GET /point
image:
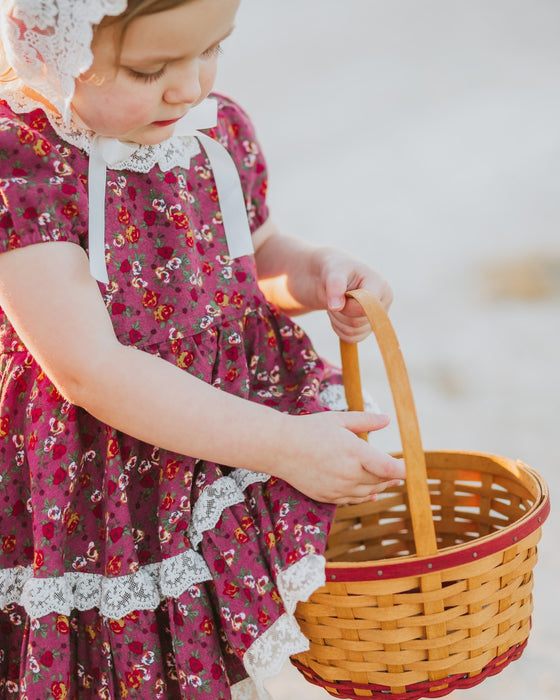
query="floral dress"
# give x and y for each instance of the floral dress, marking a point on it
(129, 571)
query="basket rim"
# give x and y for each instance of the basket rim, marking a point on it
(457, 555)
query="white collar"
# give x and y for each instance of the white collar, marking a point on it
(178, 150)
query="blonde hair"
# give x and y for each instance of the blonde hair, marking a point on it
(139, 8)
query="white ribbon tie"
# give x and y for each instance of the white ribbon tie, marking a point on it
(109, 152)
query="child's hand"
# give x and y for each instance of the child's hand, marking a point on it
(325, 460)
(341, 272)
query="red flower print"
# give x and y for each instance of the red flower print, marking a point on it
(134, 336)
(59, 690)
(9, 543)
(117, 626)
(68, 189)
(149, 217)
(30, 213)
(134, 678)
(124, 216)
(4, 426)
(221, 298)
(125, 267)
(47, 659)
(185, 359)
(70, 210)
(178, 619)
(25, 136)
(38, 560)
(72, 523)
(62, 625)
(150, 299)
(180, 219)
(165, 252)
(163, 312)
(207, 626)
(132, 234)
(114, 566)
(112, 448)
(264, 617)
(240, 536)
(136, 647)
(36, 413)
(312, 518)
(38, 122)
(231, 589)
(170, 177)
(219, 566)
(116, 533)
(195, 664)
(216, 672)
(59, 451)
(231, 374)
(117, 308)
(48, 530)
(232, 353)
(18, 508)
(14, 241)
(41, 147)
(167, 502)
(171, 469)
(240, 276)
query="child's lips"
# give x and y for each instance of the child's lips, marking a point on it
(168, 122)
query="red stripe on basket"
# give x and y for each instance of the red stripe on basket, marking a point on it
(428, 689)
(416, 566)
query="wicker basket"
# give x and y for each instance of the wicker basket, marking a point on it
(428, 588)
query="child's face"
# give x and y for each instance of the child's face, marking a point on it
(166, 66)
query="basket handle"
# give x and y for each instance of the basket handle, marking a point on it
(416, 474)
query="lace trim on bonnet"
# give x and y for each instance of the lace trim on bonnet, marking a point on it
(45, 43)
(36, 43)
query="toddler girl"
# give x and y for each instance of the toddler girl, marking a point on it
(169, 468)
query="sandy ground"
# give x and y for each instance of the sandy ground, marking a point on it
(423, 135)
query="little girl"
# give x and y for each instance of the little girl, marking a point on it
(169, 469)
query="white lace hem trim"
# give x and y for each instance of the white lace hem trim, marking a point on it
(267, 655)
(216, 497)
(115, 597)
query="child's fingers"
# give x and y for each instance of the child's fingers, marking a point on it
(383, 466)
(363, 421)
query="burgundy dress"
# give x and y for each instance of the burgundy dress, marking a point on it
(128, 571)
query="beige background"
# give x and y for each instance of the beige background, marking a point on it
(424, 136)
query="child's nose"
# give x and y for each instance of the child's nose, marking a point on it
(184, 86)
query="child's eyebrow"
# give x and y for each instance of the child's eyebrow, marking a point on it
(164, 58)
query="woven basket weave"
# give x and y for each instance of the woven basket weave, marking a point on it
(428, 588)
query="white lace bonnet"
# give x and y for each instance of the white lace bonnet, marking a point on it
(46, 44)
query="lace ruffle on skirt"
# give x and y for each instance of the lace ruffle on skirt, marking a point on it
(116, 597)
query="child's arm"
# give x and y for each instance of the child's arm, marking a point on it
(57, 309)
(300, 277)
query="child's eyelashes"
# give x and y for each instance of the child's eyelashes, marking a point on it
(147, 77)
(212, 52)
